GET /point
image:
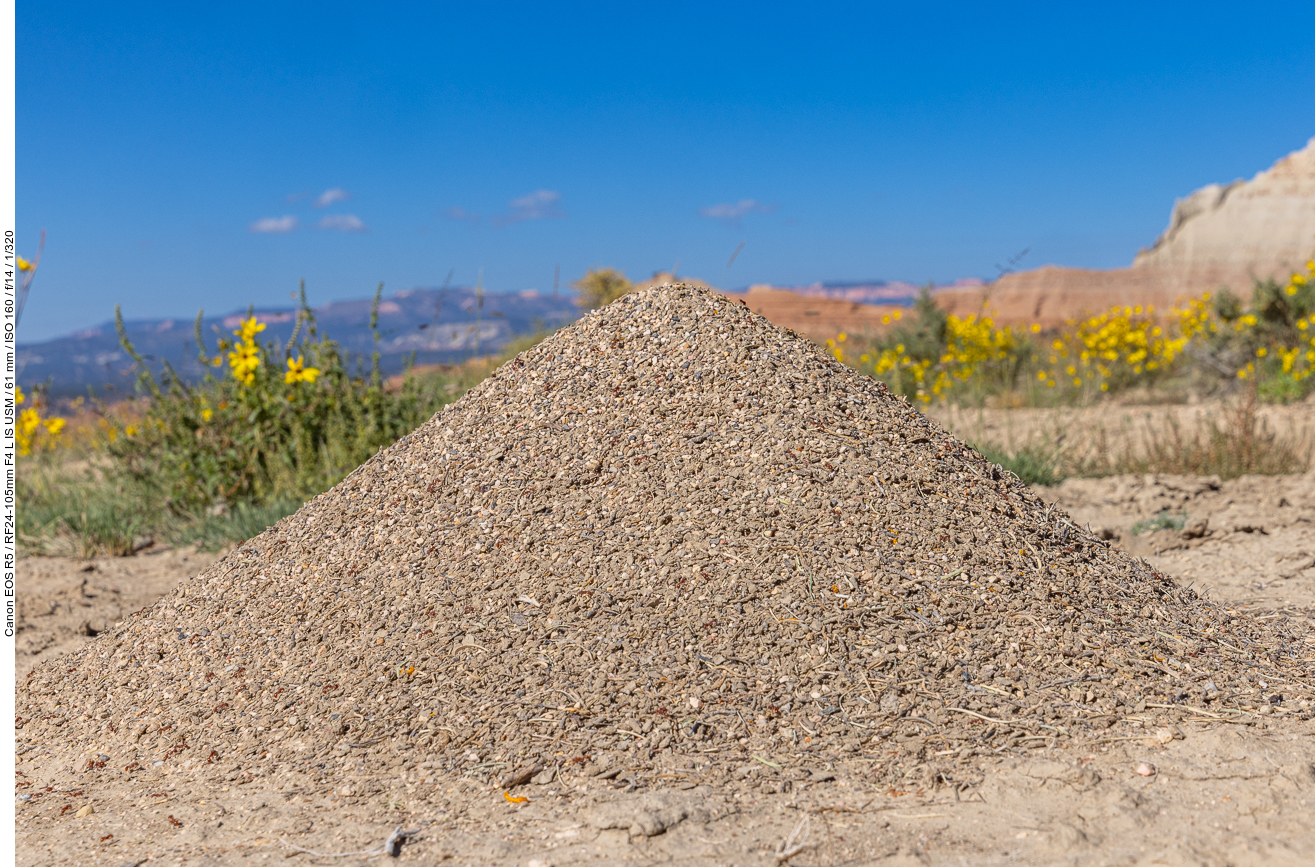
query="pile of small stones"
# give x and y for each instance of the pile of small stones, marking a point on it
(671, 529)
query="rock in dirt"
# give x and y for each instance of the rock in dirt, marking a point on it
(651, 814)
(669, 529)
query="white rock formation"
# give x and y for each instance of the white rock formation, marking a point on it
(1261, 228)
(1222, 235)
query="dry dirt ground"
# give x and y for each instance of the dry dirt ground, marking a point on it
(1085, 435)
(1205, 793)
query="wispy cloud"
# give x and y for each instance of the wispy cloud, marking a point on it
(455, 213)
(274, 225)
(538, 205)
(734, 213)
(343, 223)
(328, 197)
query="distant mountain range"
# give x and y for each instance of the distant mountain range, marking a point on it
(434, 326)
(880, 292)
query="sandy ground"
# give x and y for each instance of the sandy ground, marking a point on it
(1249, 542)
(1208, 792)
(63, 602)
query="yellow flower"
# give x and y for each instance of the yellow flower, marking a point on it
(299, 372)
(250, 328)
(23, 264)
(28, 422)
(206, 414)
(245, 357)
(18, 395)
(54, 425)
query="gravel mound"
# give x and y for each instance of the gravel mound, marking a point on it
(670, 530)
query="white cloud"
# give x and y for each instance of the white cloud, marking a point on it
(538, 205)
(343, 223)
(455, 213)
(274, 225)
(328, 197)
(734, 213)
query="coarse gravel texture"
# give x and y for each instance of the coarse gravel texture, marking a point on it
(670, 529)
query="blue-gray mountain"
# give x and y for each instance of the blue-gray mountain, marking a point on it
(433, 326)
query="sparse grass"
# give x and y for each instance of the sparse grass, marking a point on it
(71, 508)
(243, 521)
(1236, 443)
(1163, 520)
(1227, 439)
(1034, 463)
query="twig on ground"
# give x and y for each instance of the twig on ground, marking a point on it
(790, 848)
(392, 846)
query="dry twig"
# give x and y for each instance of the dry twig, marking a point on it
(392, 846)
(790, 848)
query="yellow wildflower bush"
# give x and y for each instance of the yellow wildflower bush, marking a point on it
(35, 431)
(268, 420)
(1123, 347)
(1207, 341)
(966, 355)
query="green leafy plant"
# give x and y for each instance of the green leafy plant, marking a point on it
(269, 421)
(1034, 464)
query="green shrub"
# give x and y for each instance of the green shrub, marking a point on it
(1034, 464)
(218, 461)
(271, 421)
(601, 286)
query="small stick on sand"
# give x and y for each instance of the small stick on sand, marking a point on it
(790, 848)
(392, 846)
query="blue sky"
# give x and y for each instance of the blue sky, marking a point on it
(210, 155)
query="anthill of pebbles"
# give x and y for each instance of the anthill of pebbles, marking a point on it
(670, 530)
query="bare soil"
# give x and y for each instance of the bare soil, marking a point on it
(1248, 542)
(63, 602)
(675, 586)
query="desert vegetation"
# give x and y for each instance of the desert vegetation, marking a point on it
(1210, 346)
(601, 286)
(1213, 348)
(219, 460)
